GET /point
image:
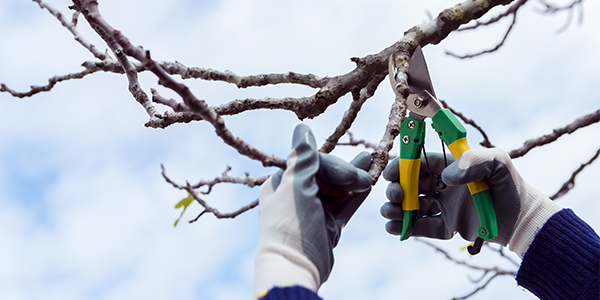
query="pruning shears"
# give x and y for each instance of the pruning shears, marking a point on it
(422, 103)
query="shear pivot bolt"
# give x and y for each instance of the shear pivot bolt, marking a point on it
(482, 231)
(411, 124)
(419, 102)
(406, 139)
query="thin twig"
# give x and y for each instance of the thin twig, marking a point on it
(553, 9)
(486, 141)
(72, 27)
(215, 211)
(481, 287)
(355, 142)
(511, 10)
(198, 217)
(567, 186)
(464, 263)
(247, 180)
(501, 253)
(514, 20)
(486, 270)
(556, 133)
(34, 89)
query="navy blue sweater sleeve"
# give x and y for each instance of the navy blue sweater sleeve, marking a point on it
(291, 293)
(563, 261)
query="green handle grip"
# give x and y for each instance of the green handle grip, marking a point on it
(454, 134)
(412, 136)
(487, 215)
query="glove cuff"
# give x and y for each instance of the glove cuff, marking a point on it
(532, 218)
(280, 261)
(282, 266)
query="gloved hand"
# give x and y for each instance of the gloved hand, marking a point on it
(521, 210)
(298, 231)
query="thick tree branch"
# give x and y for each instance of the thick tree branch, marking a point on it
(549, 138)
(200, 107)
(331, 89)
(243, 81)
(89, 8)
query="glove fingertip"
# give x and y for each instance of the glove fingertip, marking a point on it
(303, 135)
(394, 227)
(392, 171)
(394, 192)
(333, 170)
(362, 160)
(391, 211)
(363, 180)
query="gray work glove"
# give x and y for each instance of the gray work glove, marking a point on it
(521, 210)
(298, 231)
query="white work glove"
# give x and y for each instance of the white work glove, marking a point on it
(298, 230)
(521, 210)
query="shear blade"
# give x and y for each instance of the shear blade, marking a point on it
(418, 74)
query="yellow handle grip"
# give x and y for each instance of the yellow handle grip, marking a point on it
(409, 181)
(457, 148)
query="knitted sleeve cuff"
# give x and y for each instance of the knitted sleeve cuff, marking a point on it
(563, 260)
(290, 293)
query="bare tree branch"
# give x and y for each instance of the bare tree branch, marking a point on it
(247, 180)
(510, 11)
(495, 271)
(354, 142)
(464, 263)
(486, 142)
(553, 9)
(72, 27)
(224, 178)
(215, 211)
(51, 82)
(567, 186)
(514, 20)
(500, 251)
(480, 287)
(350, 114)
(89, 8)
(556, 133)
(243, 81)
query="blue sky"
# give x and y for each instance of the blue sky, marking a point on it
(85, 213)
